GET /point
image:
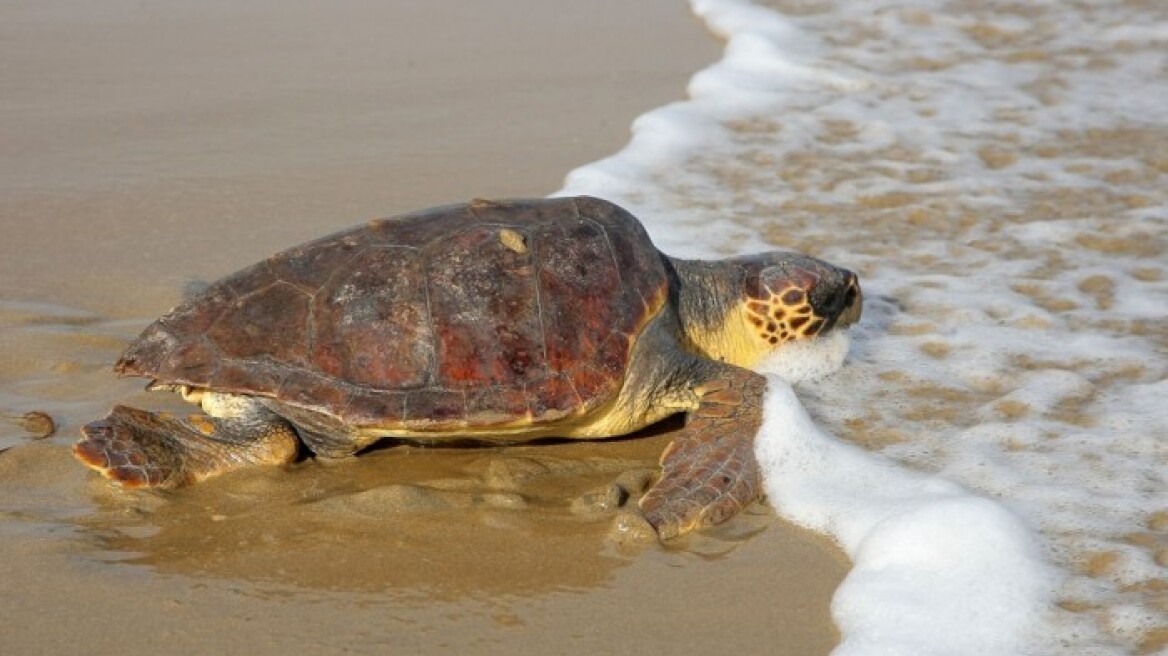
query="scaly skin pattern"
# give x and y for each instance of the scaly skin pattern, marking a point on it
(784, 316)
(709, 472)
(136, 448)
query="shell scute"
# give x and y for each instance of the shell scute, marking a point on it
(591, 382)
(310, 266)
(490, 313)
(572, 304)
(496, 405)
(418, 229)
(554, 399)
(612, 356)
(198, 318)
(638, 265)
(371, 321)
(435, 410)
(312, 390)
(368, 407)
(258, 374)
(484, 303)
(190, 360)
(245, 329)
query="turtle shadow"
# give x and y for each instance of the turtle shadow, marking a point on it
(440, 524)
(443, 525)
(664, 427)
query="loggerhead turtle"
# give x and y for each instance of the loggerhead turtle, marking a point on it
(497, 321)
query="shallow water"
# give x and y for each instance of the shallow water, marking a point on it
(149, 150)
(996, 173)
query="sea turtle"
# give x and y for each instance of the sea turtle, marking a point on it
(500, 321)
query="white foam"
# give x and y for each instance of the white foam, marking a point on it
(807, 359)
(936, 569)
(996, 179)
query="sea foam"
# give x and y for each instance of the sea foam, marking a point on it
(936, 569)
(996, 179)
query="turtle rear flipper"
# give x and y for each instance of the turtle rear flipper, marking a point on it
(709, 472)
(136, 448)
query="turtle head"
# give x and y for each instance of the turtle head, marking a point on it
(791, 296)
(792, 309)
(777, 310)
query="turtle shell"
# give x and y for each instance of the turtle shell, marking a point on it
(468, 316)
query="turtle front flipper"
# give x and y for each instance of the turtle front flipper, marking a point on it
(136, 448)
(709, 472)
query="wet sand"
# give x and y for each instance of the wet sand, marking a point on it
(151, 149)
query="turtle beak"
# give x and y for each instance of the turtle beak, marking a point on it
(837, 299)
(853, 303)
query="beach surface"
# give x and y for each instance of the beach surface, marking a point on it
(149, 149)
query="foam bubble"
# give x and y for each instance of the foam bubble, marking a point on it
(807, 359)
(936, 569)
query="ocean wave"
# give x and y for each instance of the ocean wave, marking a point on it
(993, 455)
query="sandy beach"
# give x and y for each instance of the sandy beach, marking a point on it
(150, 149)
